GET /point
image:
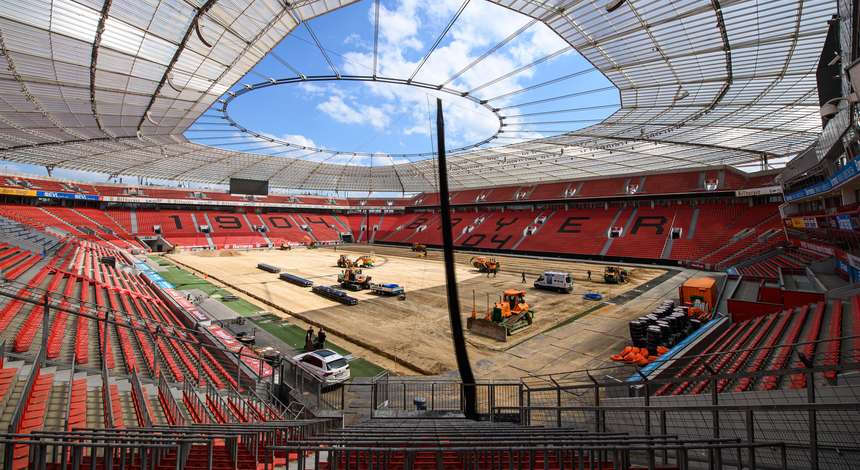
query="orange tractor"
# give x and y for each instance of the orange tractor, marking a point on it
(485, 265)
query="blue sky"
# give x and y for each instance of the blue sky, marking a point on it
(397, 119)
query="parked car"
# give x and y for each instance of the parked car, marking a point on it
(328, 366)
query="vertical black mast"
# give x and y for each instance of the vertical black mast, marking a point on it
(466, 376)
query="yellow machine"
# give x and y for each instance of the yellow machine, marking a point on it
(485, 265)
(615, 275)
(360, 262)
(365, 261)
(509, 315)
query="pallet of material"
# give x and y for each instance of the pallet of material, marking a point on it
(269, 268)
(335, 294)
(293, 279)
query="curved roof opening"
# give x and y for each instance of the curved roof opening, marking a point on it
(358, 86)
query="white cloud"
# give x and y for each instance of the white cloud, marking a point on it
(341, 111)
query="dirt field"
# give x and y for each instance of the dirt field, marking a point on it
(415, 333)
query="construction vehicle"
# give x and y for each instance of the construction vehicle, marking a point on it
(365, 261)
(510, 314)
(485, 265)
(386, 289)
(615, 275)
(419, 247)
(353, 279)
(549, 280)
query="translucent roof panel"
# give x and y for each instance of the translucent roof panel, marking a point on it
(113, 87)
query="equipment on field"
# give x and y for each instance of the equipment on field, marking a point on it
(293, 279)
(592, 296)
(334, 294)
(420, 247)
(615, 275)
(353, 279)
(485, 265)
(365, 261)
(269, 268)
(549, 280)
(509, 315)
(386, 289)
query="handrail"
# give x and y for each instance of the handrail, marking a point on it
(15, 421)
(165, 396)
(192, 401)
(108, 400)
(691, 358)
(69, 392)
(216, 401)
(140, 400)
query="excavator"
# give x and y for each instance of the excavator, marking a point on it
(365, 261)
(485, 265)
(509, 315)
(353, 279)
(421, 249)
(360, 262)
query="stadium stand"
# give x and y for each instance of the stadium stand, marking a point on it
(104, 365)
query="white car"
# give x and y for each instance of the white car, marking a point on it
(328, 366)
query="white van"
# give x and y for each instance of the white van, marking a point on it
(561, 282)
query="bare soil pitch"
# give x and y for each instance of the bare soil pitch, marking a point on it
(416, 332)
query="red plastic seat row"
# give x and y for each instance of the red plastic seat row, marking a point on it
(744, 356)
(213, 378)
(14, 306)
(27, 332)
(761, 356)
(799, 380)
(180, 351)
(782, 354)
(23, 266)
(210, 359)
(144, 346)
(33, 418)
(689, 368)
(78, 405)
(125, 346)
(723, 346)
(726, 357)
(116, 407)
(834, 345)
(104, 339)
(171, 363)
(7, 376)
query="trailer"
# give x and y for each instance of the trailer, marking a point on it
(335, 294)
(293, 279)
(386, 289)
(550, 280)
(269, 268)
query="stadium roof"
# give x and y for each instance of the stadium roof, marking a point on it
(112, 86)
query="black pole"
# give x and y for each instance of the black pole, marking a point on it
(466, 376)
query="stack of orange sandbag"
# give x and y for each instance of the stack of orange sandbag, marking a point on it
(638, 356)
